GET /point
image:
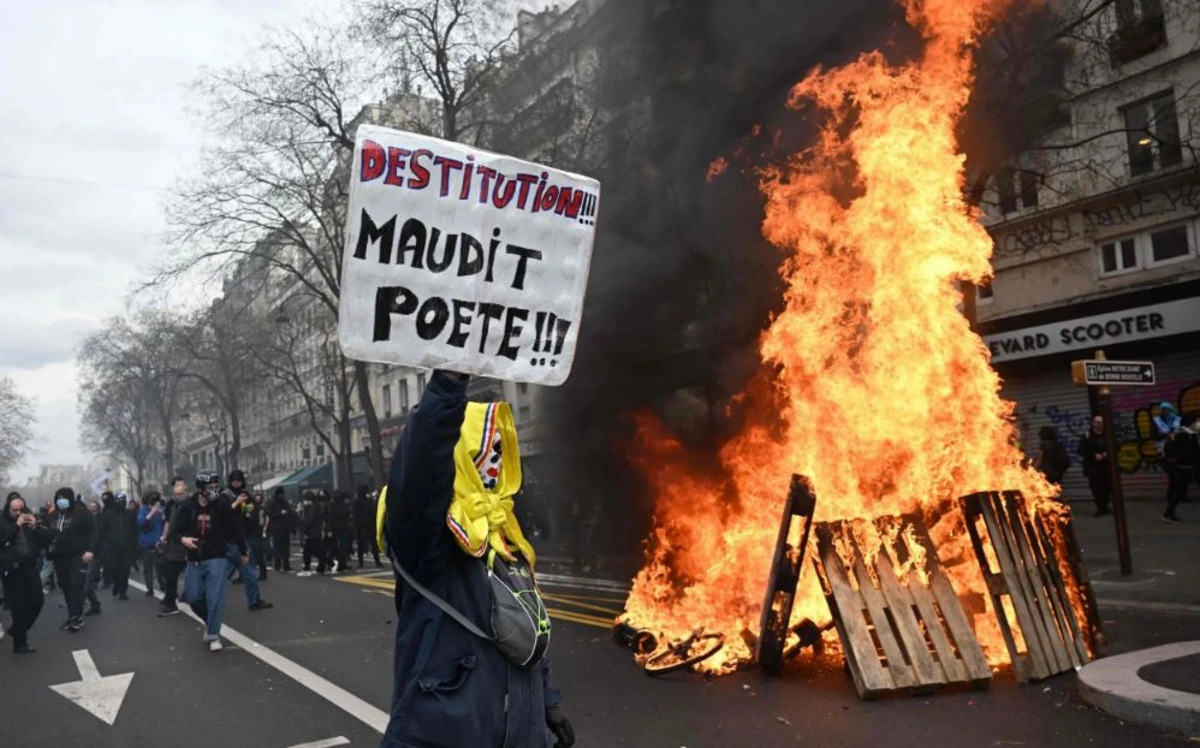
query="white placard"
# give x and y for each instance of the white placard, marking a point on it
(461, 259)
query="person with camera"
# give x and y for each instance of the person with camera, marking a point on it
(72, 550)
(150, 521)
(207, 526)
(22, 539)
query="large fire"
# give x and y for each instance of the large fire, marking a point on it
(873, 384)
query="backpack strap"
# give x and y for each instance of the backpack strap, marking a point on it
(445, 607)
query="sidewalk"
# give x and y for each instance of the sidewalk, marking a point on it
(1166, 557)
(1152, 673)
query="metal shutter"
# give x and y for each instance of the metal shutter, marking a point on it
(1051, 399)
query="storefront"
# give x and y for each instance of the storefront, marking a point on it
(1033, 353)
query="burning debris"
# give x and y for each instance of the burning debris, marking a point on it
(872, 383)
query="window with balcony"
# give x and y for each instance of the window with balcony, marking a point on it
(1140, 29)
(1118, 256)
(1152, 132)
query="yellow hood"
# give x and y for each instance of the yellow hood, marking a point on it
(482, 516)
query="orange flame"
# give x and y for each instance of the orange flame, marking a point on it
(873, 384)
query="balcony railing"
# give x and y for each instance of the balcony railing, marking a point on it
(1137, 39)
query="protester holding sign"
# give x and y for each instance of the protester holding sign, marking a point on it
(451, 532)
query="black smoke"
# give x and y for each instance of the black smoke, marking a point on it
(682, 282)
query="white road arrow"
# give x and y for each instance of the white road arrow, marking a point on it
(100, 696)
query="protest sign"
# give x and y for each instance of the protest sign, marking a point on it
(461, 259)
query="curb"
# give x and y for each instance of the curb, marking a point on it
(1113, 685)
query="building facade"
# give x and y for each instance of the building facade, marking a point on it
(1096, 234)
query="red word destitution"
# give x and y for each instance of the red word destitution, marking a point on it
(465, 180)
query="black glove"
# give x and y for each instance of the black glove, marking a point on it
(564, 734)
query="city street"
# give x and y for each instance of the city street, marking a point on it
(294, 675)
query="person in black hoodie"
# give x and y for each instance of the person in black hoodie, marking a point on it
(364, 526)
(206, 527)
(22, 539)
(118, 533)
(281, 521)
(72, 549)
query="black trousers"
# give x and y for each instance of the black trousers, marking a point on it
(315, 547)
(281, 549)
(120, 561)
(340, 549)
(255, 545)
(366, 542)
(70, 573)
(1178, 479)
(171, 572)
(1101, 486)
(23, 591)
(146, 560)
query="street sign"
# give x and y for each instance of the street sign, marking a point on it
(1113, 373)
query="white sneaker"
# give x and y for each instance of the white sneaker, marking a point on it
(215, 645)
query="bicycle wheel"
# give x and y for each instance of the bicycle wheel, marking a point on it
(671, 660)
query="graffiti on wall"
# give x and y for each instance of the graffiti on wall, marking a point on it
(1134, 411)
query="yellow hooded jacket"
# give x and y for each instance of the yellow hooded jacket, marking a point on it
(481, 517)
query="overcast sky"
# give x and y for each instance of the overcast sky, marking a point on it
(93, 131)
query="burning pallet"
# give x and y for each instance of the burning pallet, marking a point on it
(899, 632)
(790, 549)
(1017, 557)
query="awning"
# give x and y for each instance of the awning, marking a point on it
(316, 474)
(273, 481)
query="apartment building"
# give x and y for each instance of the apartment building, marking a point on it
(1096, 233)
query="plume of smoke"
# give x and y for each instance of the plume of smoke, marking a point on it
(682, 281)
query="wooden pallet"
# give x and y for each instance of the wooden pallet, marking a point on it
(1025, 582)
(785, 575)
(898, 635)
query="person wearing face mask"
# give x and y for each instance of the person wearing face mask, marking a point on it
(206, 526)
(22, 539)
(71, 549)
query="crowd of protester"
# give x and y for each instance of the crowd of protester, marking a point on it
(210, 536)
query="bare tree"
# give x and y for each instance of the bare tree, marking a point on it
(16, 426)
(116, 411)
(299, 350)
(450, 45)
(273, 190)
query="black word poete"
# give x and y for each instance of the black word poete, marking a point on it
(429, 248)
(465, 180)
(496, 328)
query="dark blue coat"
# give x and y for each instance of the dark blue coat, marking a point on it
(451, 687)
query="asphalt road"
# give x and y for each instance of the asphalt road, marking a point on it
(339, 631)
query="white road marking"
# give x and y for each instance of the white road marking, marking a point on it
(330, 743)
(100, 696)
(375, 718)
(582, 583)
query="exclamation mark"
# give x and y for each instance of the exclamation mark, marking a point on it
(549, 333)
(537, 337)
(563, 326)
